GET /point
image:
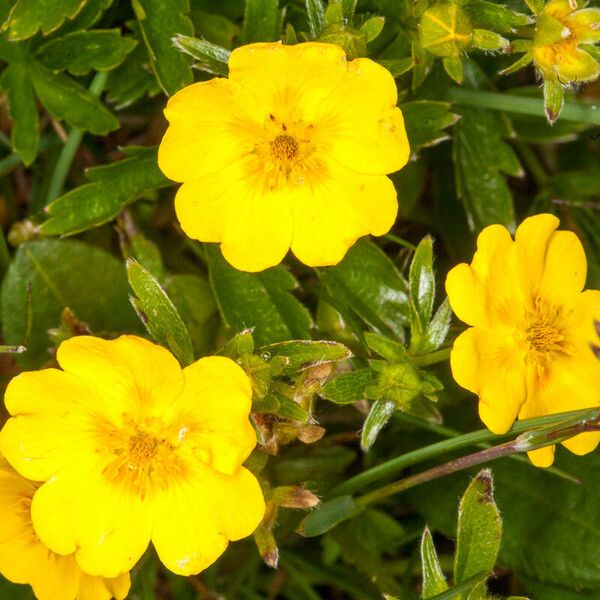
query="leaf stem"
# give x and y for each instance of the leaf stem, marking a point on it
(67, 154)
(578, 112)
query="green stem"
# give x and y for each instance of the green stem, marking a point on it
(527, 442)
(396, 465)
(67, 154)
(432, 358)
(399, 241)
(578, 112)
(533, 164)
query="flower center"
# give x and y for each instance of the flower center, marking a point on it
(142, 448)
(284, 147)
(543, 333)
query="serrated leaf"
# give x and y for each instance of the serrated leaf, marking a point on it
(438, 328)
(425, 122)
(380, 413)
(315, 14)
(480, 157)
(434, 581)
(112, 187)
(194, 300)
(260, 300)
(307, 352)
(328, 515)
(386, 348)
(367, 284)
(25, 131)
(160, 21)
(261, 21)
(81, 51)
(158, 313)
(210, 57)
(29, 16)
(479, 529)
(65, 99)
(62, 273)
(349, 387)
(421, 283)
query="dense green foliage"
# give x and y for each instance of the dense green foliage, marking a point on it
(347, 361)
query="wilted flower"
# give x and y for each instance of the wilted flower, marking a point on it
(132, 448)
(528, 352)
(291, 151)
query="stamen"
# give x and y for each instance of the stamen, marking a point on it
(284, 147)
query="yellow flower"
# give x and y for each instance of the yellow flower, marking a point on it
(132, 448)
(528, 351)
(24, 559)
(559, 32)
(291, 151)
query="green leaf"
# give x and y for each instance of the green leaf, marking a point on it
(479, 529)
(13, 591)
(29, 16)
(454, 68)
(81, 51)
(62, 273)
(421, 284)
(66, 99)
(241, 343)
(434, 581)
(315, 14)
(328, 515)
(349, 387)
(160, 21)
(554, 98)
(437, 330)
(380, 413)
(398, 382)
(425, 122)
(280, 405)
(157, 313)
(112, 187)
(210, 57)
(304, 353)
(480, 156)
(194, 300)
(372, 27)
(259, 300)
(367, 284)
(495, 16)
(25, 132)
(397, 67)
(386, 348)
(261, 21)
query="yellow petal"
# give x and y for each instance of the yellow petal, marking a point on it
(100, 588)
(292, 81)
(360, 125)
(341, 206)
(494, 368)
(466, 295)
(215, 406)
(80, 510)
(565, 269)
(580, 321)
(584, 443)
(130, 373)
(543, 457)
(194, 519)
(211, 125)
(47, 409)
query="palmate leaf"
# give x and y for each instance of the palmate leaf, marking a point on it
(260, 300)
(112, 187)
(160, 21)
(29, 16)
(81, 51)
(60, 274)
(480, 157)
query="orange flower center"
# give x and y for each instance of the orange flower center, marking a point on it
(142, 448)
(284, 147)
(544, 334)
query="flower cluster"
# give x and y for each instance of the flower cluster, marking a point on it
(119, 448)
(291, 151)
(529, 349)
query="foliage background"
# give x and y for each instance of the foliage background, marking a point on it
(84, 85)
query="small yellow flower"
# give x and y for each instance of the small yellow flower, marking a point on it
(528, 351)
(24, 559)
(132, 448)
(291, 151)
(559, 33)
